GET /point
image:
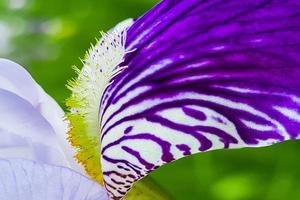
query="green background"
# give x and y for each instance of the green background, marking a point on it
(48, 37)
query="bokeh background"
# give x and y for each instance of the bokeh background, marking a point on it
(48, 37)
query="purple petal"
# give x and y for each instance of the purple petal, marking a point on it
(23, 90)
(28, 180)
(202, 75)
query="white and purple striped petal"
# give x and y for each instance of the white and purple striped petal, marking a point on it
(201, 75)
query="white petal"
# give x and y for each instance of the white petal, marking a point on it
(17, 80)
(28, 180)
(25, 133)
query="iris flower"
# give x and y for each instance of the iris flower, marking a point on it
(189, 76)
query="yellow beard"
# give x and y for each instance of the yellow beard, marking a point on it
(100, 65)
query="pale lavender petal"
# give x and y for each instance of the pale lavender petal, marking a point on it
(30, 155)
(15, 79)
(25, 133)
(202, 75)
(27, 180)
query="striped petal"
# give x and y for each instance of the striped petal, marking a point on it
(201, 75)
(31, 121)
(27, 180)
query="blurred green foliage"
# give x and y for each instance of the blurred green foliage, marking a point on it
(50, 36)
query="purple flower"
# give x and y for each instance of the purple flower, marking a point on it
(189, 76)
